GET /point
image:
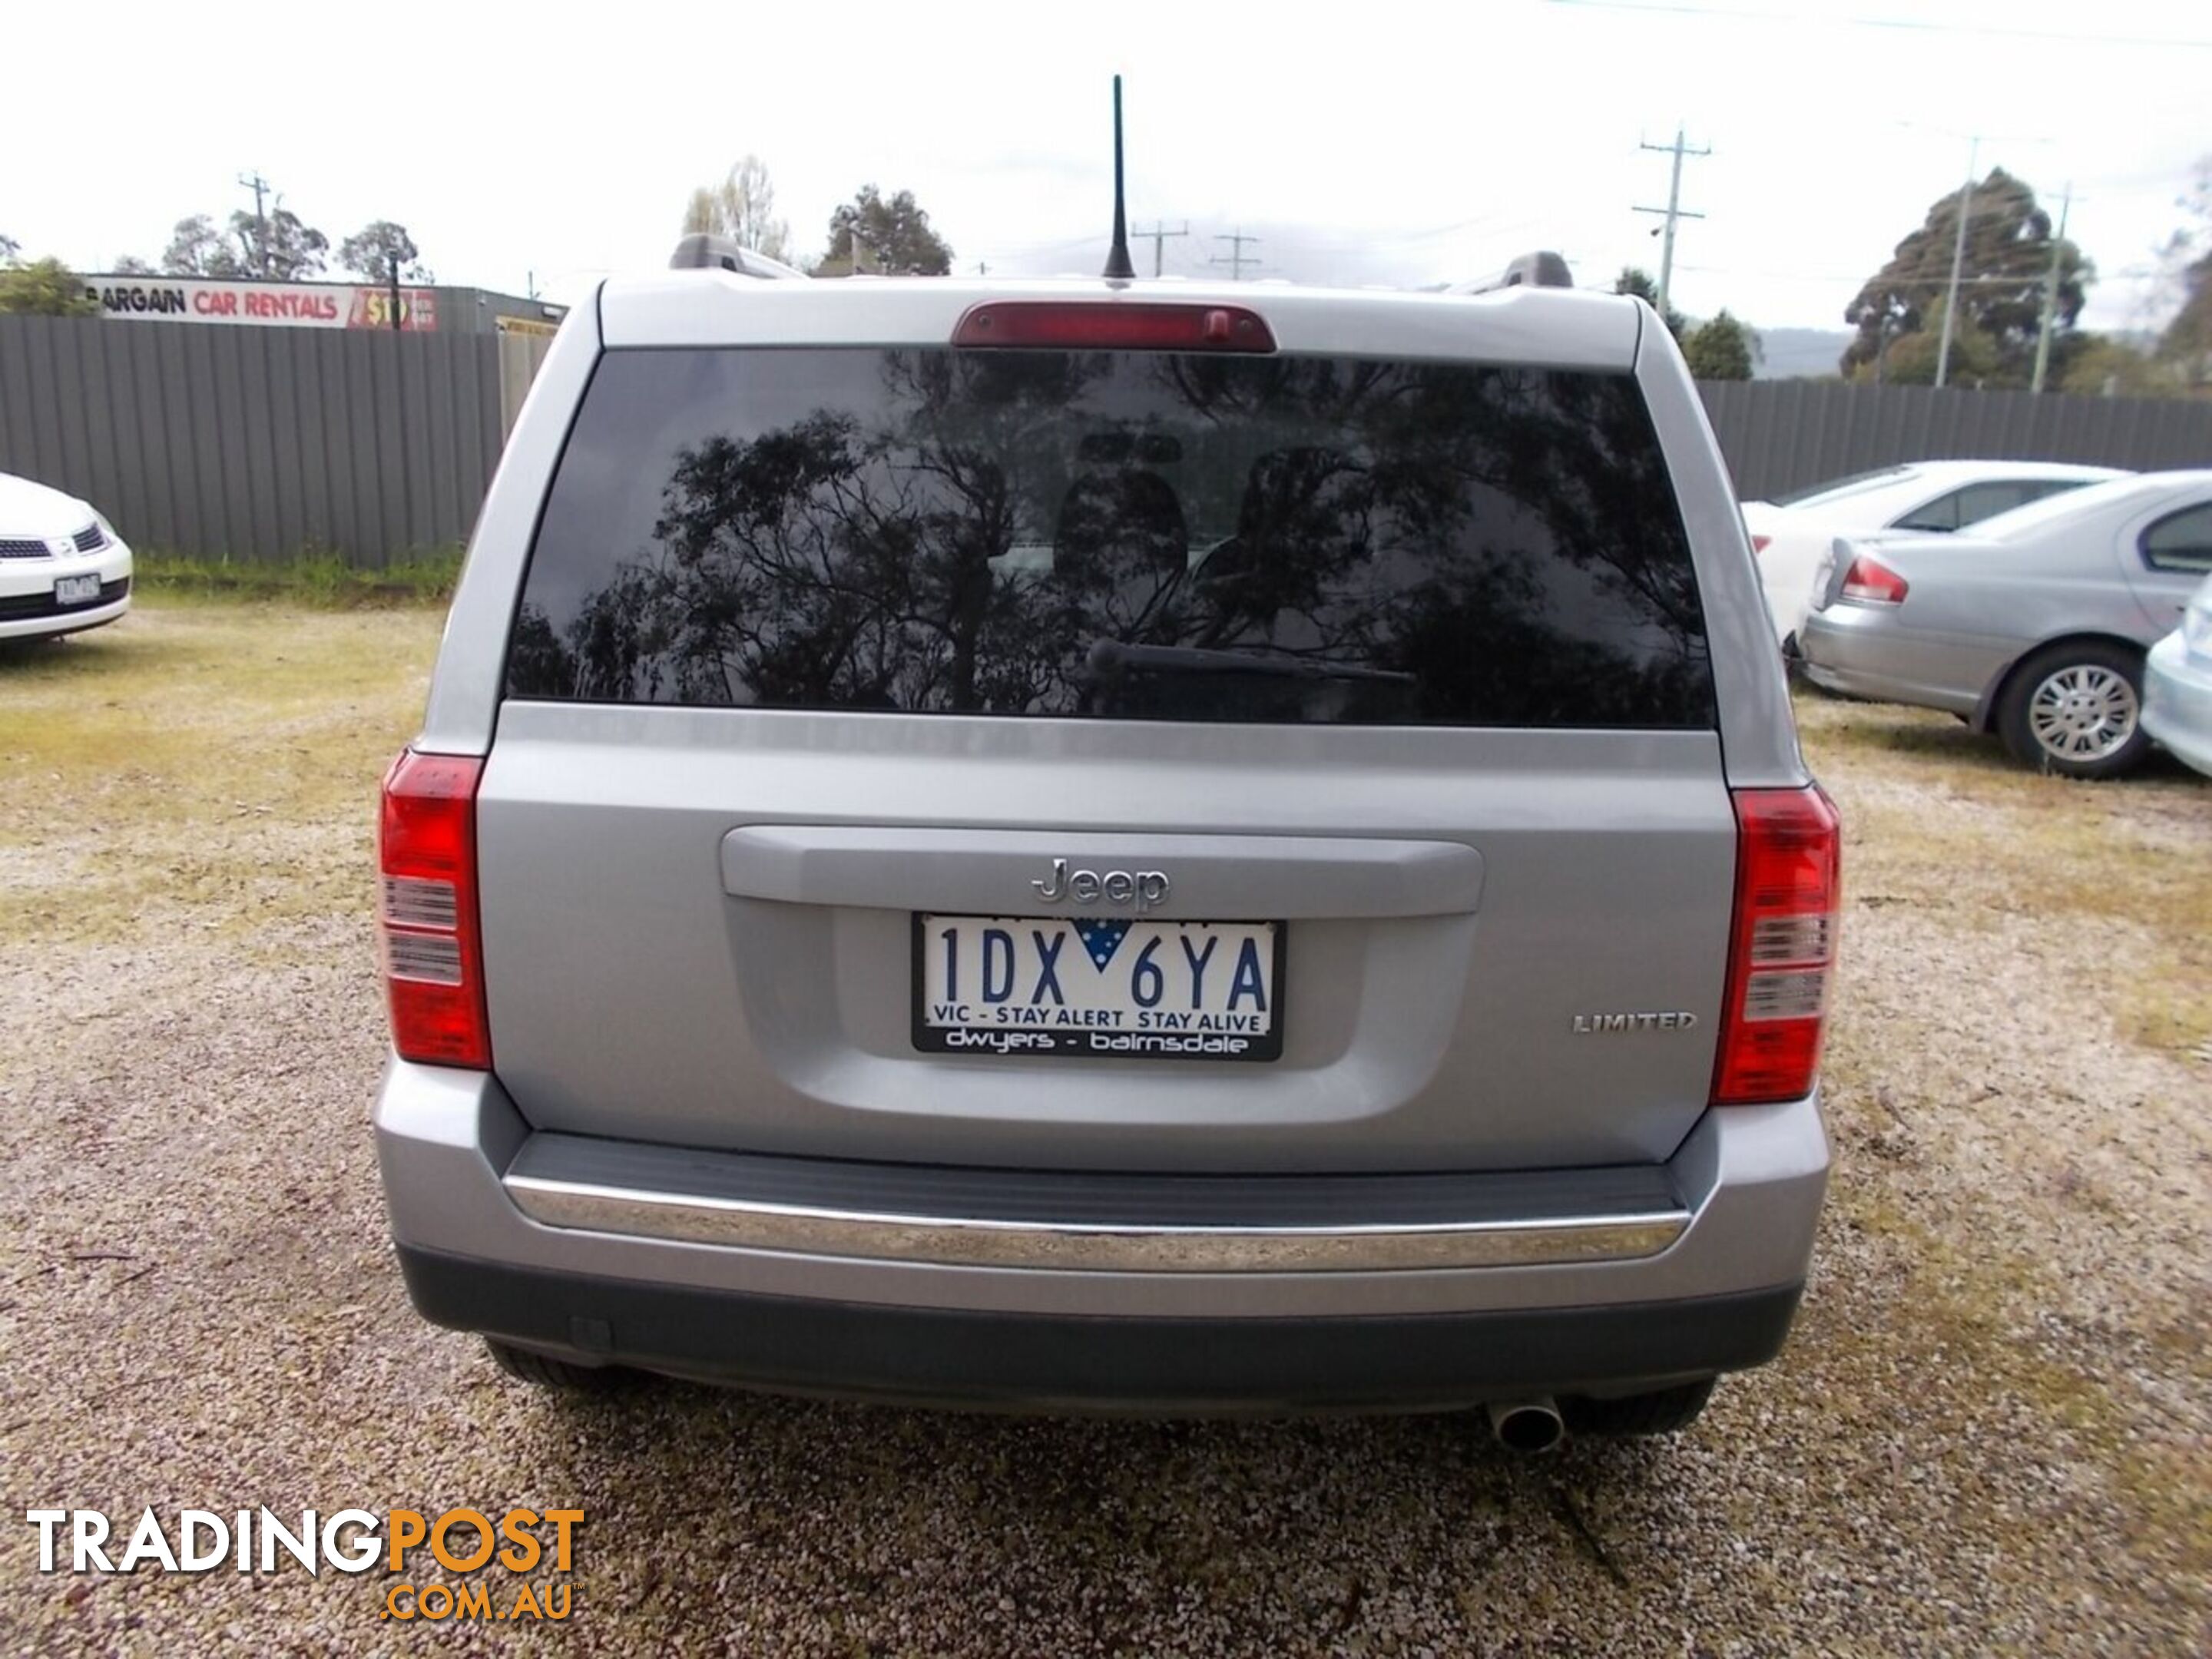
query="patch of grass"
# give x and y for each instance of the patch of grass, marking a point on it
(1987, 1357)
(213, 766)
(1933, 808)
(2023, 860)
(1925, 743)
(2171, 1007)
(316, 577)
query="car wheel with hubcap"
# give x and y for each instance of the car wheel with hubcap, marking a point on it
(2077, 710)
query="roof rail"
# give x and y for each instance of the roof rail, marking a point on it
(703, 252)
(1542, 269)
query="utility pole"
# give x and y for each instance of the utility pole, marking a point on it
(260, 187)
(1236, 260)
(1957, 263)
(1673, 210)
(2050, 294)
(1159, 233)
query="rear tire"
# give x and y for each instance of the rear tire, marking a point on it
(2075, 708)
(544, 1371)
(1662, 1410)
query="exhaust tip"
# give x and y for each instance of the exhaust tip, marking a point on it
(1527, 1426)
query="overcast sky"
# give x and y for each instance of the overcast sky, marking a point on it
(1363, 142)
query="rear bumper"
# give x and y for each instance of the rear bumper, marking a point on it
(1864, 651)
(949, 1356)
(1093, 1321)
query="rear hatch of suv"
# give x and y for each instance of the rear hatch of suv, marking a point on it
(1136, 748)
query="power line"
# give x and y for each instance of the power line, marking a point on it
(1674, 210)
(1158, 234)
(1236, 261)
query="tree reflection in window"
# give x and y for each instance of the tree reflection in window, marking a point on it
(1276, 539)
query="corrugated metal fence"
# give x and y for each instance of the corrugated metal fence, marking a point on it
(1781, 436)
(254, 443)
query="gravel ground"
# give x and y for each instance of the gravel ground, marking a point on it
(1989, 1434)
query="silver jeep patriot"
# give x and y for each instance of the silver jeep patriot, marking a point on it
(1111, 845)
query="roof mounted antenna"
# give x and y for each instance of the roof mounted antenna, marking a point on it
(1118, 267)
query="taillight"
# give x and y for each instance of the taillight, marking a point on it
(1782, 949)
(426, 845)
(1114, 325)
(1872, 582)
(1759, 545)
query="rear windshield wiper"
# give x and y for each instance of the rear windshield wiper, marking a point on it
(1110, 658)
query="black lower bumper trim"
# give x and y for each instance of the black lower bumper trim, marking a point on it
(1083, 1362)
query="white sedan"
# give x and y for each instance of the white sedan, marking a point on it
(1792, 535)
(62, 569)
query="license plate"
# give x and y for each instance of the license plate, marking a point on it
(76, 590)
(1098, 987)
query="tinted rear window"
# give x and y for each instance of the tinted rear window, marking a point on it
(1117, 535)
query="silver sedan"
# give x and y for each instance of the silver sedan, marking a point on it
(2034, 624)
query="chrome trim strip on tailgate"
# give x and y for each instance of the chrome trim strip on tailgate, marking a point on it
(976, 872)
(1090, 1246)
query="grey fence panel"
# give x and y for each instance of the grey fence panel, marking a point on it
(383, 493)
(403, 482)
(17, 400)
(428, 402)
(325, 481)
(48, 444)
(191, 378)
(520, 355)
(1781, 436)
(472, 417)
(295, 472)
(255, 417)
(173, 501)
(435, 436)
(78, 358)
(252, 443)
(287, 469)
(351, 403)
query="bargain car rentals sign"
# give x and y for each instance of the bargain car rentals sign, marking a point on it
(283, 305)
